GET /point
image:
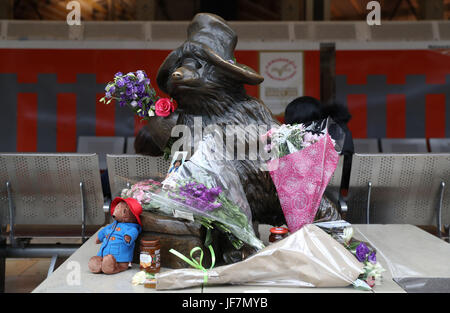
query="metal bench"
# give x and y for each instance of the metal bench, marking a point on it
(366, 145)
(127, 169)
(400, 189)
(333, 190)
(48, 195)
(101, 146)
(440, 145)
(404, 145)
(334, 186)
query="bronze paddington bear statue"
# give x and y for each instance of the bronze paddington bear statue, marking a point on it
(205, 80)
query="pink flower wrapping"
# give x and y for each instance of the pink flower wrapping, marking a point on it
(301, 178)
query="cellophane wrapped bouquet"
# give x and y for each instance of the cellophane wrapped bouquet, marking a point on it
(206, 189)
(303, 160)
(343, 233)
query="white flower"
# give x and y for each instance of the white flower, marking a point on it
(348, 234)
(139, 278)
(374, 270)
(151, 113)
(133, 104)
(140, 76)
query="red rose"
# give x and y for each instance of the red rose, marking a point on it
(163, 107)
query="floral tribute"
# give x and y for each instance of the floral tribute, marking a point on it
(198, 196)
(135, 91)
(365, 254)
(208, 205)
(304, 159)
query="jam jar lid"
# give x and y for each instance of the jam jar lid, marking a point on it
(150, 241)
(279, 230)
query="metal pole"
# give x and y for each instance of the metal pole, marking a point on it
(11, 215)
(41, 251)
(369, 193)
(52, 265)
(439, 209)
(83, 215)
(327, 73)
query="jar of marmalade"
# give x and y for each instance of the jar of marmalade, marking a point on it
(278, 233)
(150, 255)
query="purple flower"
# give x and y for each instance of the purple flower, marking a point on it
(373, 257)
(361, 252)
(118, 74)
(120, 83)
(140, 88)
(129, 91)
(215, 191)
(108, 95)
(198, 196)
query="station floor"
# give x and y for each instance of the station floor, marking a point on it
(24, 275)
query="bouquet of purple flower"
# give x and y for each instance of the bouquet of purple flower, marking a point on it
(209, 206)
(363, 252)
(206, 190)
(366, 255)
(135, 91)
(198, 196)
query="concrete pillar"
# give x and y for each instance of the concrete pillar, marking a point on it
(290, 10)
(146, 10)
(431, 9)
(6, 9)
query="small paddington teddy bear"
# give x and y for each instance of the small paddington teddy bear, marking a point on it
(117, 239)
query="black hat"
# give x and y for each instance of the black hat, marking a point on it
(217, 40)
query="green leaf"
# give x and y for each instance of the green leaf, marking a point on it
(353, 245)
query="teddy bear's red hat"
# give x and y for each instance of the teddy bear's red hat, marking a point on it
(133, 204)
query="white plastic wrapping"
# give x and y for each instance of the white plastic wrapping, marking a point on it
(307, 258)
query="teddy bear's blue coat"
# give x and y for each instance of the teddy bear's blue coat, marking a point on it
(113, 242)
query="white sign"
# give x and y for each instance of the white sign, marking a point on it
(283, 79)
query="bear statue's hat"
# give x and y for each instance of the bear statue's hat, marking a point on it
(212, 35)
(133, 204)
